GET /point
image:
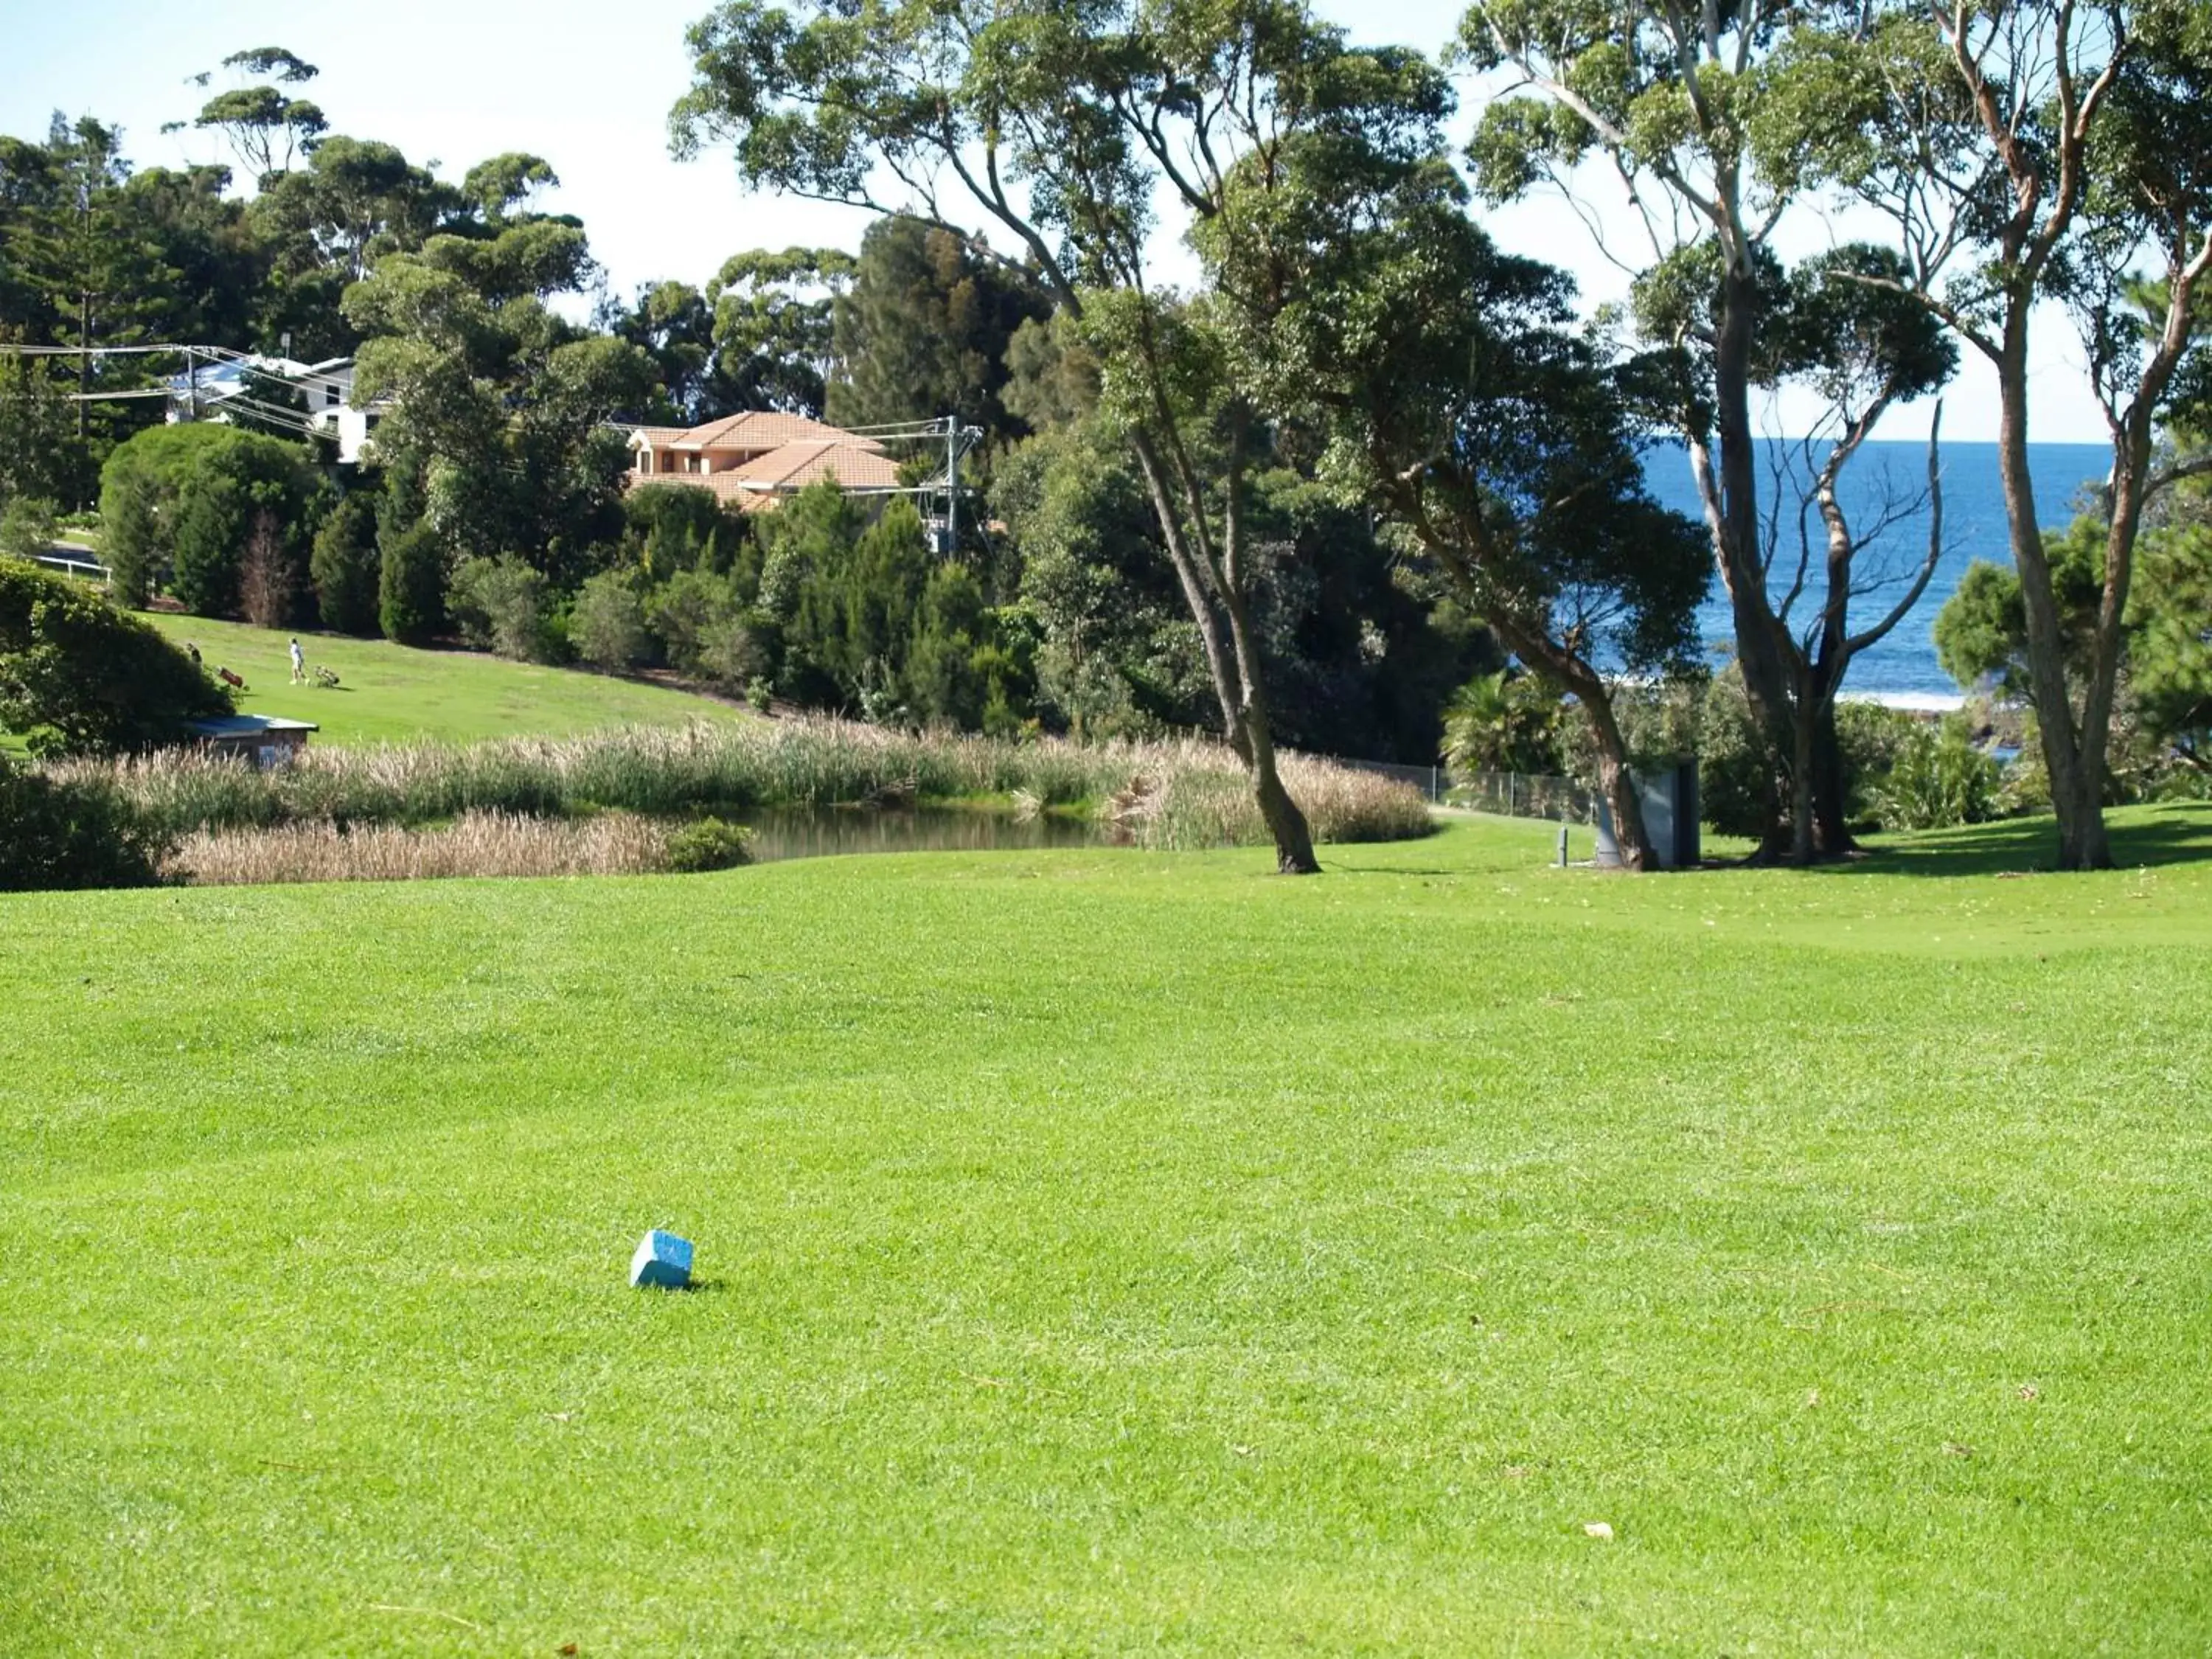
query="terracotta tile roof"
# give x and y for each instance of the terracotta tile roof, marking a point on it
(794, 466)
(659, 436)
(759, 430)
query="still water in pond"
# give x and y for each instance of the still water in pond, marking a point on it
(801, 833)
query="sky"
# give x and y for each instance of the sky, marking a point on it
(588, 87)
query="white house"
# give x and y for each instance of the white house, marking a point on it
(233, 386)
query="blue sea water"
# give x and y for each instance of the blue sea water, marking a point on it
(1903, 664)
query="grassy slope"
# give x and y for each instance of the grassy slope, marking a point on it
(1106, 1252)
(391, 692)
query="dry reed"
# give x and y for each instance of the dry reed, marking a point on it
(477, 844)
(1198, 795)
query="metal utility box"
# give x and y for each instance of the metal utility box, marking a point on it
(1670, 818)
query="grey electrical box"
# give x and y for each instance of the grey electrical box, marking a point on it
(1669, 799)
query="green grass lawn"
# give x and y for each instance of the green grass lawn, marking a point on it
(392, 693)
(1105, 1252)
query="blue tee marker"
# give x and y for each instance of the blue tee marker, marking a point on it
(662, 1259)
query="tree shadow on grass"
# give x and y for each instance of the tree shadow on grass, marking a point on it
(2179, 833)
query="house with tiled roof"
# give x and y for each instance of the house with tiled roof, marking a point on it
(753, 460)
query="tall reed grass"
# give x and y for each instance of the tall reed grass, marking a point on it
(1191, 789)
(1178, 808)
(477, 844)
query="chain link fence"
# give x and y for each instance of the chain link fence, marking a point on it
(1433, 782)
(1523, 795)
(1508, 794)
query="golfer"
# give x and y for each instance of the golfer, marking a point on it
(299, 663)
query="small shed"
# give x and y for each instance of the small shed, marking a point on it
(262, 741)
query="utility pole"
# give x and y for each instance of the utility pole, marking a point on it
(951, 486)
(83, 358)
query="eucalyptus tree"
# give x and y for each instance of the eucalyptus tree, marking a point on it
(1658, 92)
(266, 126)
(500, 405)
(1839, 330)
(1466, 405)
(1661, 96)
(774, 328)
(1061, 125)
(2032, 153)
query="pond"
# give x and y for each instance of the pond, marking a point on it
(800, 832)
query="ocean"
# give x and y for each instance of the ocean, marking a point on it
(1903, 667)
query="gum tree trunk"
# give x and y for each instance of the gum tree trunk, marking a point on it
(2077, 792)
(1731, 507)
(1232, 656)
(1615, 780)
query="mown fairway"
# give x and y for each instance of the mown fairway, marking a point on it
(392, 693)
(1110, 1252)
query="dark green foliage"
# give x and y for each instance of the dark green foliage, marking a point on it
(500, 405)
(184, 501)
(2170, 644)
(668, 527)
(1502, 721)
(78, 676)
(925, 329)
(945, 676)
(500, 605)
(345, 567)
(1981, 633)
(708, 844)
(1711, 719)
(130, 504)
(1116, 654)
(27, 526)
(75, 834)
(607, 627)
(848, 639)
(80, 268)
(688, 611)
(411, 584)
(1939, 779)
(36, 432)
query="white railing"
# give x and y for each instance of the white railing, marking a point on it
(70, 567)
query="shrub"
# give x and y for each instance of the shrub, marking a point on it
(184, 498)
(1503, 722)
(344, 566)
(27, 526)
(410, 591)
(499, 605)
(709, 844)
(607, 627)
(945, 680)
(129, 545)
(670, 527)
(686, 612)
(739, 650)
(1871, 737)
(81, 677)
(78, 833)
(1939, 780)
